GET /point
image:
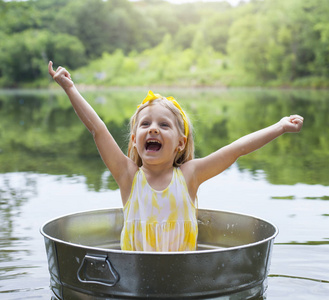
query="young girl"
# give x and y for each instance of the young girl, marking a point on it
(159, 178)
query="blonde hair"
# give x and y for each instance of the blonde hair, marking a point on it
(182, 156)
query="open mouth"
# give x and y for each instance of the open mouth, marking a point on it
(153, 145)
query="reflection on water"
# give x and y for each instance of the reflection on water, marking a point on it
(45, 135)
(49, 166)
(13, 194)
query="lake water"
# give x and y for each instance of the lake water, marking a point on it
(49, 167)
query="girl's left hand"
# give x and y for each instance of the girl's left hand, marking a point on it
(294, 123)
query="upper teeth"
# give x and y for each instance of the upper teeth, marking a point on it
(153, 141)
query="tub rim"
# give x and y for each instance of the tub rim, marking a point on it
(194, 252)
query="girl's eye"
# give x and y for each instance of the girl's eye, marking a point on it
(164, 125)
(145, 123)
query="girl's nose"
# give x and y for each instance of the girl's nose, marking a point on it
(154, 130)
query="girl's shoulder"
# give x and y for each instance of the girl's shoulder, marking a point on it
(188, 168)
(125, 183)
(190, 175)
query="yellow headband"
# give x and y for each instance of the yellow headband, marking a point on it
(150, 97)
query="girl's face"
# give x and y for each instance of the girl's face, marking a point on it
(157, 138)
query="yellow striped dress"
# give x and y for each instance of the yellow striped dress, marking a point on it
(159, 220)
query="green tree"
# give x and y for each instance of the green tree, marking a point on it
(248, 43)
(66, 50)
(279, 39)
(185, 35)
(18, 16)
(24, 55)
(318, 11)
(216, 28)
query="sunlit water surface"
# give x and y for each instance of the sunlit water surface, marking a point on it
(298, 204)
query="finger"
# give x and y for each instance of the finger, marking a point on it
(67, 74)
(64, 72)
(50, 69)
(296, 118)
(298, 125)
(300, 121)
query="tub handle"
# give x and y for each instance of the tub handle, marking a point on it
(97, 270)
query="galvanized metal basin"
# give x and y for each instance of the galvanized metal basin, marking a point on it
(85, 260)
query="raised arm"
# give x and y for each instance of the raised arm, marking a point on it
(120, 166)
(82, 108)
(215, 163)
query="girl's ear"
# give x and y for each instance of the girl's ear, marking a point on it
(182, 143)
(133, 139)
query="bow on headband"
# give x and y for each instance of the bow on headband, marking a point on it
(151, 96)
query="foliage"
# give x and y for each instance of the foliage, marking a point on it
(262, 42)
(24, 55)
(282, 39)
(161, 65)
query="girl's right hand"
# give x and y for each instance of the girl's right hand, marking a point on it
(61, 76)
(294, 123)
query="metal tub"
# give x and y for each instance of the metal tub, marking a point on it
(85, 261)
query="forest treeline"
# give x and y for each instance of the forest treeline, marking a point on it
(121, 43)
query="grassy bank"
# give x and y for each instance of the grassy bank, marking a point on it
(186, 68)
